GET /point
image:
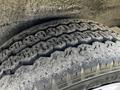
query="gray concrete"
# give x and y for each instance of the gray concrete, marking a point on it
(104, 11)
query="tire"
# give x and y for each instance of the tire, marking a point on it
(64, 54)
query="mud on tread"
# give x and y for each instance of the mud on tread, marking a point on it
(43, 40)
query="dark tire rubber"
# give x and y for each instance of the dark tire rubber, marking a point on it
(64, 54)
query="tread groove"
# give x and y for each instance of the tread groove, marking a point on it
(32, 60)
(13, 54)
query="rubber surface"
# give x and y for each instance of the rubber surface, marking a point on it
(58, 54)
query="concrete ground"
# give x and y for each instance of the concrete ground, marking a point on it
(104, 11)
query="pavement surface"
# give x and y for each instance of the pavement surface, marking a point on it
(103, 11)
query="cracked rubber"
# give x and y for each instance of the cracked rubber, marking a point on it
(64, 54)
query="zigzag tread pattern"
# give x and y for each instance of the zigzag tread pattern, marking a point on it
(43, 42)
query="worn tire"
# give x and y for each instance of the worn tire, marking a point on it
(64, 54)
